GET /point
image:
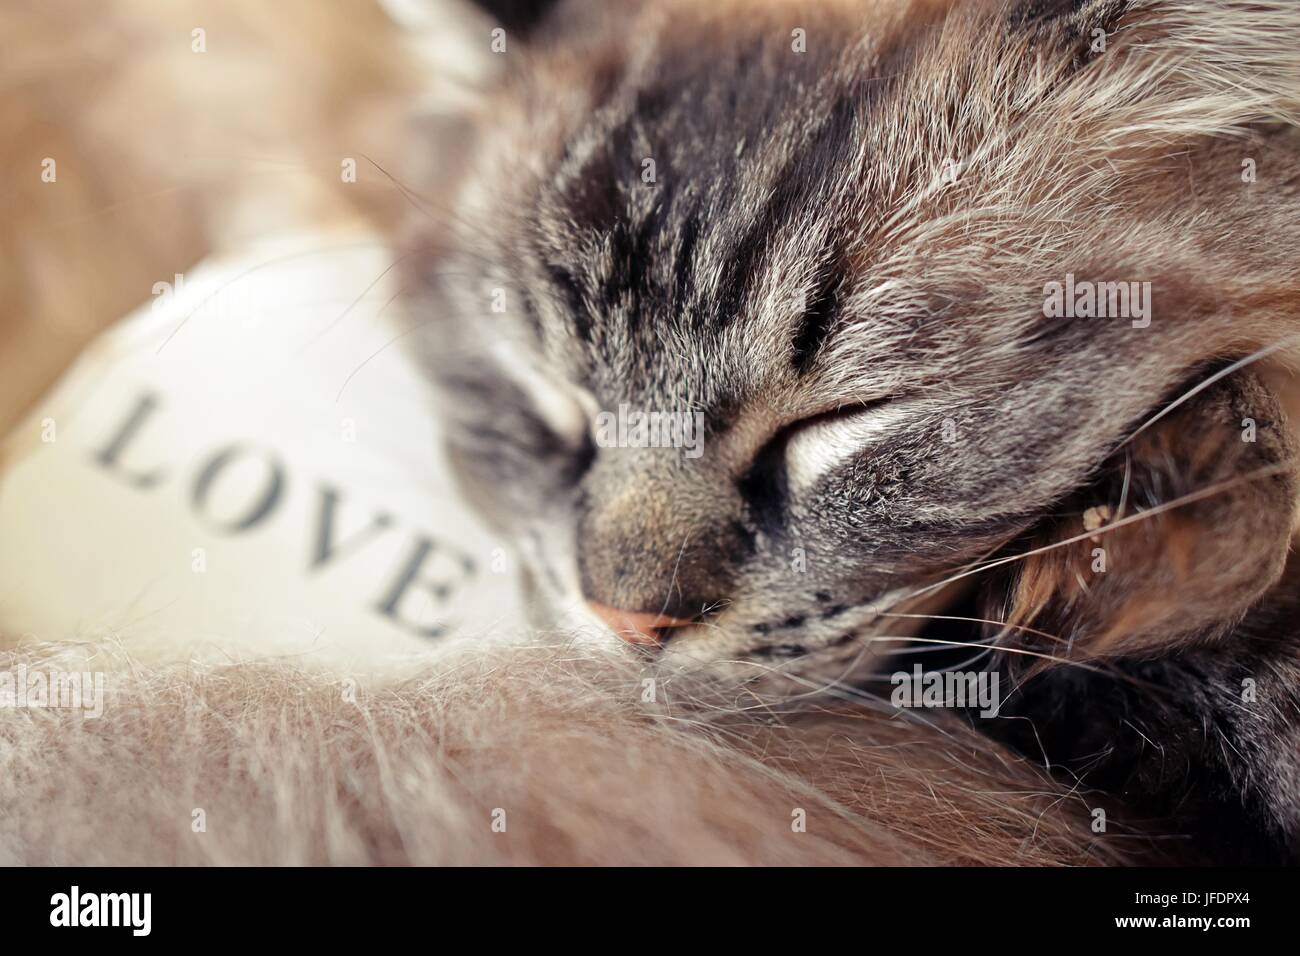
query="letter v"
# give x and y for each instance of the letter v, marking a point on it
(326, 549)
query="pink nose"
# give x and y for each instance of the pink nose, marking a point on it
(637, 627)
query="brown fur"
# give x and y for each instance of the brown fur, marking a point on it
(1190, 570)
(288, 771)
(156, 146)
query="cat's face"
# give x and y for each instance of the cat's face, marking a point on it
(821, 263)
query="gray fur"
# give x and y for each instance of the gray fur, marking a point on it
(800, 257)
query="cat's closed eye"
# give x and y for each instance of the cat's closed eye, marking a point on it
(814, 445)
(804, 449)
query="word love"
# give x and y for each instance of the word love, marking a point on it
(238, 489)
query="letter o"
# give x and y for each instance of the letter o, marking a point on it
(270, 495)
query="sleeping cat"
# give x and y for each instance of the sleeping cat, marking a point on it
(837, 236)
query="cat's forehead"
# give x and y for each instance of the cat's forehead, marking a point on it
(755, 211)
(709, 208)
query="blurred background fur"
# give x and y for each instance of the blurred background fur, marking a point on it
(164, 155)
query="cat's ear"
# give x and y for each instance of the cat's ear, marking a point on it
(471, 47)
(1188, 525)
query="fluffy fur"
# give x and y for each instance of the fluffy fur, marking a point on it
(288, 771)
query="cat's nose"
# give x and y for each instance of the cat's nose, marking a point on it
(637, 627)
